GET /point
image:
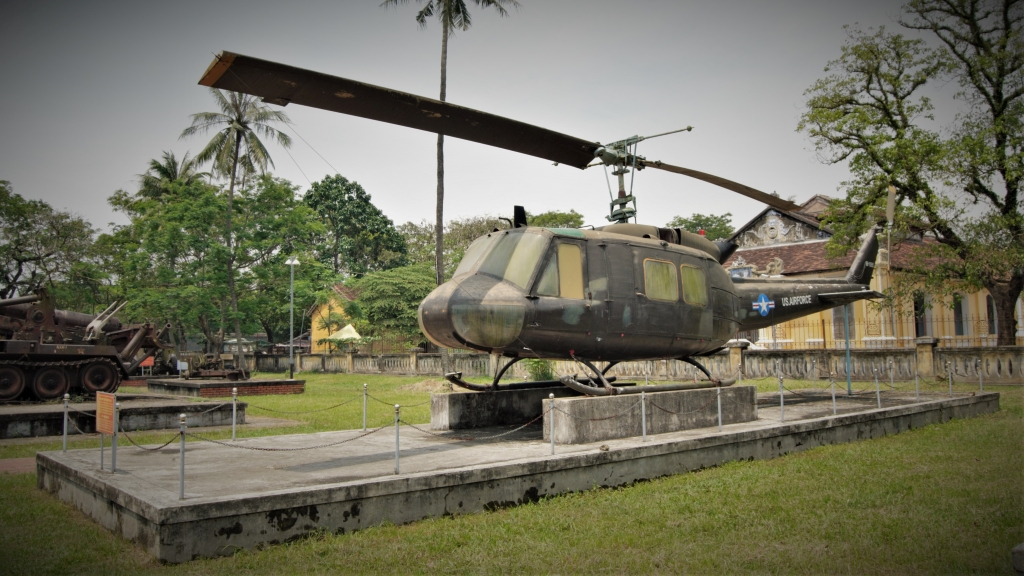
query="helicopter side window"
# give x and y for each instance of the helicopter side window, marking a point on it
(695, 287)
(473, 254)
(660, 280)
(514, 257)
(563, 275)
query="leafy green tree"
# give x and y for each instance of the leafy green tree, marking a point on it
(555, 219)
(39, 246)
(359, 237)
(238, 125)
(453, 15)
(458, 235)
(162, 172)
(389, 300)
(715, 226)
(870, 113)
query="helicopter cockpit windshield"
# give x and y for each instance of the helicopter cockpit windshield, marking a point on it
(474, 254)
(514, 257)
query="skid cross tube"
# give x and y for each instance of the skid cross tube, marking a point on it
(583, 387)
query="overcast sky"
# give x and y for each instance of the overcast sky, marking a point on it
(94, 90)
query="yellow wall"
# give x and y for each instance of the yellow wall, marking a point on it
(316, 332)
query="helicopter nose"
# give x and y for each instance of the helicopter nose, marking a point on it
(479, 310)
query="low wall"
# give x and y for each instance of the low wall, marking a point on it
(997, 364)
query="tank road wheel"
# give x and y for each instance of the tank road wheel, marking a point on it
(50, 382)
(99, 377)
(12, 382)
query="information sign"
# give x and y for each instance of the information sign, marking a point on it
(105, 412)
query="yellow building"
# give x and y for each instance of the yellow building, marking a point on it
(328, 318)
(792, 244)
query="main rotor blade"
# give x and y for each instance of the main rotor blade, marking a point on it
(281, 84)
(773, 201)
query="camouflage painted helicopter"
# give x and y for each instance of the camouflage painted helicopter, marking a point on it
(615, 293)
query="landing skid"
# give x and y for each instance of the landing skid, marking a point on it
(456, 379)
(606, 389)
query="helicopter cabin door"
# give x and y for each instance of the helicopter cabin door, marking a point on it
(562, 315)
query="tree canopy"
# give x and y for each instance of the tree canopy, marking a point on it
(389, 300)
(958, 184)
(715, 226)
(555, 219)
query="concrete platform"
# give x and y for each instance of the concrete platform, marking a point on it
(239, 498)
(138, 412)
(222, 388)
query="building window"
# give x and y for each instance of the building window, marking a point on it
(660, 280)
(920, 315)
(960, 327)
(839, 326)
(990, 310)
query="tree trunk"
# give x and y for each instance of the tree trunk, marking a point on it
(1005, 295)
(239, 356)
(439, 214)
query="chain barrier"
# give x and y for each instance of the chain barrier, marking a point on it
(306, 411)
(370, 396)
(681, 412)
(619, 415)
(471, 439)
(263, 449)
(137, 445)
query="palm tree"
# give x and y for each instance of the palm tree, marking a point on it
(160, 174)
(239, 124)
(453, 14)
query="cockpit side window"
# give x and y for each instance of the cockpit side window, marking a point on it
(563, 274)
(514, 257)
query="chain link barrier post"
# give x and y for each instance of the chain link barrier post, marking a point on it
(364, 406)
(878, 390)
(64, 448)
(892, 381)
(397, 409)
(917, 386)
(719, 398)
(643, 413)
(977, 366)
(551, 427)
(181, 459)
(782, 399)
(739, 371)
(234, 411)
(101, 450)
(832, 384)
(949, 375)
(113, 439)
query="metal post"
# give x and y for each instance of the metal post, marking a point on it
(643, 414)
(878, 391)
(949, 375)
(739, 372)
(832, 382)
(981, 383)
(718, 395)
(101, 450)
(782, 402)
(181, 459)
(291, 318)
(846, 328)
(234, 411)
(892, 381)
(364, 406)
(113, 440)
(917, 388)
(551, 427)
(397, 408)
(66, 398)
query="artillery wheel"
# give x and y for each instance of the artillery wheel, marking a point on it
(50, 382)
(100, 376)
(12, 382)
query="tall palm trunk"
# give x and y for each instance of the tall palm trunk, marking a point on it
(439, 214)
(239, 357)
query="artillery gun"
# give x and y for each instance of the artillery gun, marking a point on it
(51, 352)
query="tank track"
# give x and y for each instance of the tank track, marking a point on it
(29, 367)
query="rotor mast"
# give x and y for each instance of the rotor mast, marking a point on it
(622, 155)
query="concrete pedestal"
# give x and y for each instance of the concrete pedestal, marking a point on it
(593, 419)
(461, 410)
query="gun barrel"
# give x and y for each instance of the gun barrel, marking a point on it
(20, 300)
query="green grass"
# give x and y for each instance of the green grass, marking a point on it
(942, 499)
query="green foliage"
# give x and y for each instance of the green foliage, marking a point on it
(458, 235)
(156, 181)
(389, 301)
(539, 369)
(359, 238)
(870, 113)
(40, 246)
(555, 219)
(715, 227)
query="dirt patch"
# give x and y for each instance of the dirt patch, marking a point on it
(436, 386)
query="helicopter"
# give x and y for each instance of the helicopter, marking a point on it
(615, 293)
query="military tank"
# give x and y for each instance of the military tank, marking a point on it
(46, 353)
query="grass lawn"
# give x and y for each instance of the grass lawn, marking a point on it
(942, 499)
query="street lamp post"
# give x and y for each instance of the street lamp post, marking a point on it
(292, 262)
